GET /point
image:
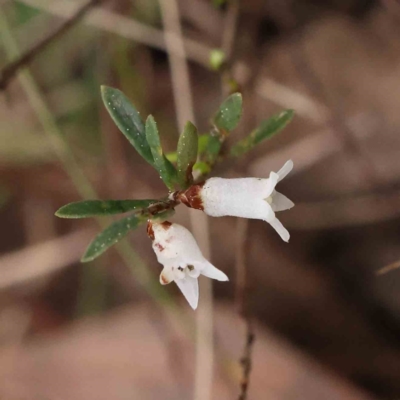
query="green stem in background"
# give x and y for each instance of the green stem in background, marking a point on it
(71, 166)
(91, 300)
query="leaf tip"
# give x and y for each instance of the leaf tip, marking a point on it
(85, 258)
(88, 255)
(104, 88)
(60, 213)
(150, 119)
(190, 127)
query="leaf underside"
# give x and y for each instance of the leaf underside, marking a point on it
(118, 230)
(128, 120)
(111, 235)
(99, 208)
(161, 163)
(229, 113)
(187, 154)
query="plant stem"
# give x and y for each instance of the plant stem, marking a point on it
(184, 110)
(71, 166)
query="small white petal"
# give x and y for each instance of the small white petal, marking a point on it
(280, 202)
(272, 182)
(214, 273)
(167, 275)
(285, 169)
(282, 231)
(190, 289)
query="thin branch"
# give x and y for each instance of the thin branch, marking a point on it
(392, 6)
(287, 97)
(126, 27)
(10, 70)
(70, 164)
(309, 76)
(388, 268)
(40, 260)
(241, 299)
(184, 110)
(230, 28)
(246, 361)
(177, 58)
(228, 83)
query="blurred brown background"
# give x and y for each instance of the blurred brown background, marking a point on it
(326, 315)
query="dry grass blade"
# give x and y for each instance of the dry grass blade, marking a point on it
(388, 268)
(125, 27)
(37, 261)
(10, 70)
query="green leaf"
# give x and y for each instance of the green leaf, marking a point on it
(112, 235)
(266, 130)
(187, 154)
(94, 208)
(127, 118)
(161, 163)
(228, 115)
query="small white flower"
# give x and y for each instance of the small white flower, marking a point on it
(177, 250)
(244, 197)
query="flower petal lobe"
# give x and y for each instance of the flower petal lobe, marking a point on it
(190, 289)
(214, 273)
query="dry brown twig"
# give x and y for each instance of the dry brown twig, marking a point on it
(40, 260)
(230, 28)
(11, 69)
(333, 112)
(126, 27)
(388, 268)
(241, 299)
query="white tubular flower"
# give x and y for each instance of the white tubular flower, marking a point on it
(244, 197)
(177, 250)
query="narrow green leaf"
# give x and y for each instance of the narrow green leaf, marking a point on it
(161, 163)
(187, 154)
(94, 208)
(112, 235)
(228, 115)
(266, 130)
(128, 120)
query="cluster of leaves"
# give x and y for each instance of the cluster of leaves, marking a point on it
(195, 155)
